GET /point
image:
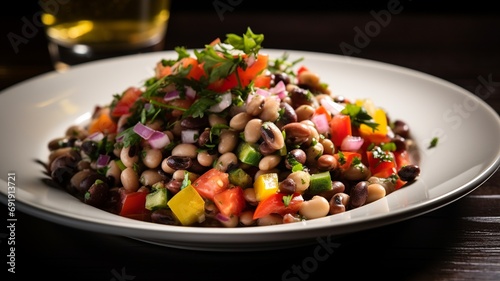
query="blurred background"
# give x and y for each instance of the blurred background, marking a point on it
(336, 23)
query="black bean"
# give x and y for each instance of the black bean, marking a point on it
(358, 194)
(164, 216)
(179, 162)
(287, 186)
(194, 122)
(97, 195)
(401, 129)
(280, 76)
(409, 172)
(90, 148)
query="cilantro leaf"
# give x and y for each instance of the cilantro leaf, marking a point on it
(248, 43)
(359, 116)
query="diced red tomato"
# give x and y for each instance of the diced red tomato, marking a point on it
(134, 205)
(243, 78)
(402, 158)
(274, 205)
(322, 110)
(302, 69)
(262, 81)
(128, 98)
(103, 123)
(196, 70)
(399, 183)
(230, 201)
(340, 127)
(346, 161)
(211, 182)
(381, 168)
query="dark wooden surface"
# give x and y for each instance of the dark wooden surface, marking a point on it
(460, 241)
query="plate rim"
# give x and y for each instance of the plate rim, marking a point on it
(393, 216)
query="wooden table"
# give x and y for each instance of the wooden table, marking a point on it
(460, 241)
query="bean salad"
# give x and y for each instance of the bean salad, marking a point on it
(227, 136)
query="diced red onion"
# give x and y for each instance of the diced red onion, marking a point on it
(97, 136)
(279, 90)
(250, 60)
(222, 218)
(189, 136)
(158, 140)
(102, 160)
(333, 107)
(351, 143)
(262, 92)
(147, 106)
(171, 95)
(142, 130)
(226, 101)
(321, 123)
(190, 93)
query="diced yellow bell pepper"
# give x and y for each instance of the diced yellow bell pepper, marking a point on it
(380, 118)
(265, 185)
(188, 206)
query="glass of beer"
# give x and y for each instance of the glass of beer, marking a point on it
(85, 30)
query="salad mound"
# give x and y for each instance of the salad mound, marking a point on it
(227, 136)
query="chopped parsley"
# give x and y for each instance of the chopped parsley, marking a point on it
(359, 116)
(433, 142)
(287, 199)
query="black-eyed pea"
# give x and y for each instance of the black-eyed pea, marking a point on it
(338, 203)
(358, 195)
(226, 160)
(272, 135)
(152, 157)
(129, 155)
(239, 121)
(246, 218)
(165, 167)
(387, 184)
(150, 176)
(304, 112)
(214, 119)
(249, 195)
(228, 141)
(302, 180)
(129, 179)
(113, 172)
(270, 110)
(252, 130)
(206, 159)
(375, 191)
(270, 219)
(185, 150)
(317, 207)
(269, 162)
(255, 105)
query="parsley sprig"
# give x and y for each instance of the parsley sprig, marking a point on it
(359, 116)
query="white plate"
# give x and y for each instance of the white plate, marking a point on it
(40, 109)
